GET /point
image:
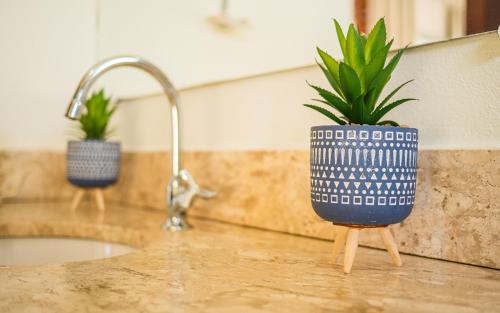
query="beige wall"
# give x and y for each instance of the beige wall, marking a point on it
(457, 83)
(266, 35)
(46, 47)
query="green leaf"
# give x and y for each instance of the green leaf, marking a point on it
(375, 89)
(389, 96)
(332, 100)
(376, 40)
(332, 67)
(349, 81)
(340, 37)
(333, 82)
(327, 113)
(358, 111)
(331, 64)
(363, 43)
(374, 67)
(382, 78)
(392, 123)
(354, 57)
(335, 107)
(360, 78)
(94, 122)
(394, 61)
(378, 114)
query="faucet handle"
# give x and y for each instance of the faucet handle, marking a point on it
(181, 191)
(207, 194)
(193, 189)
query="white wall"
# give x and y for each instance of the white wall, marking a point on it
(45, 46)
(457, 82)
(176, 36)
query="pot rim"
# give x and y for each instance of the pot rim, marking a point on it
(95, 140)
(370, 126)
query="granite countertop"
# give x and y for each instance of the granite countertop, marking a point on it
(218, 267)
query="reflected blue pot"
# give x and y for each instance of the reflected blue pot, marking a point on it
(93, 163)
(363, 175)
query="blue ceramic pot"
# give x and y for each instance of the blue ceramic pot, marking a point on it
(363, 175)
(93, 163)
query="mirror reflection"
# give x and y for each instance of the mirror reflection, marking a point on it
(193, 40)
(199, 42)
(424, 21)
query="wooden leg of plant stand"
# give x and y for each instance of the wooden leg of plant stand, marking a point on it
(339, 241)
(99, 198)
(390, 245)
(350, 248)
(76, 199)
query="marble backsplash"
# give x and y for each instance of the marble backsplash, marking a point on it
(456, 216)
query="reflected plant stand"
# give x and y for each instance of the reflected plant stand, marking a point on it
(349, 236)
(97, 194)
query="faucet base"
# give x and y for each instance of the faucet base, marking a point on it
(176, 223)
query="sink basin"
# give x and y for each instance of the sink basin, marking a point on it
(41, 250)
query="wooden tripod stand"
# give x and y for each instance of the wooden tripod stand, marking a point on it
(349, 236)
(98, 196)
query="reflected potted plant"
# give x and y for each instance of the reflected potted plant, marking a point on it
(363, 170)
(94, 162)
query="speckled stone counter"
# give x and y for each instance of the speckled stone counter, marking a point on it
(456, 215)
(218, 267)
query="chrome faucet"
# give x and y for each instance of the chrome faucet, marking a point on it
(182, 188)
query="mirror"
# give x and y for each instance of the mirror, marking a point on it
(416, 22)
(197, 42)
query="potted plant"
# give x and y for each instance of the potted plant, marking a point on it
(93, 161)
(363, 170)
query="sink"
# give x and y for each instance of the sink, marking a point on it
(45, 250)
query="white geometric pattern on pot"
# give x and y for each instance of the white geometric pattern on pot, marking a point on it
(347, 170)
(93, 162)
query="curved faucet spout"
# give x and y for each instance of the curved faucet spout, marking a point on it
(102, 67)
(182, 188)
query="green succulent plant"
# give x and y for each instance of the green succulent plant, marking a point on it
(94, 122)
(358, 79)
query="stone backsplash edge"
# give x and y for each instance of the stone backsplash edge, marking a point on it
(456, 215)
